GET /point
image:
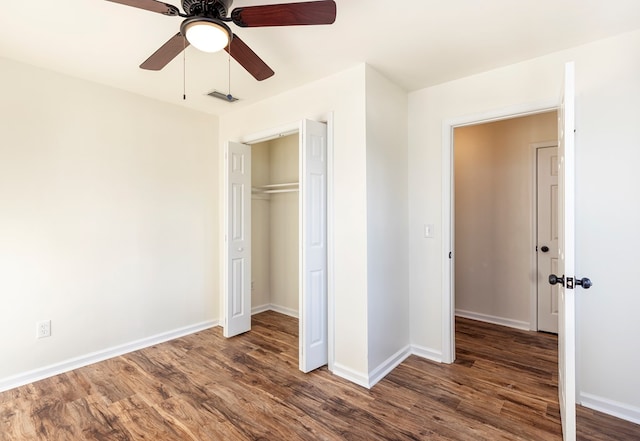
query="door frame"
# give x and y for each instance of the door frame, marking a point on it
(277, 132)
(533, 295)
(448, 214)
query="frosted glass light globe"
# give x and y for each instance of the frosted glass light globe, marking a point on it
(206, 35)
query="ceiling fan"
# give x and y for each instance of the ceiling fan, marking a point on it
(205, 27)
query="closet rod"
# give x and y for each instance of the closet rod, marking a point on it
(288, 184)
(288, 190)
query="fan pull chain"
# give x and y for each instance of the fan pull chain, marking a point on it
(229, 96)
(184, 68)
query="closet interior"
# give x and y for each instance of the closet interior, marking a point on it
(274, 225)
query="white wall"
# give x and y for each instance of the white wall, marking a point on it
(108, 221)
(387, 222)
(493, 217)
(607, 219)
(607, 211)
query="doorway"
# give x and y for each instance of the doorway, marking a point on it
(274, 226)
(494, 205)
(566, 213)
(312, 167)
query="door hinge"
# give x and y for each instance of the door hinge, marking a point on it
(569, 283)
(449, 254)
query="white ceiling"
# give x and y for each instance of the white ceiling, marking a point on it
(415, 43)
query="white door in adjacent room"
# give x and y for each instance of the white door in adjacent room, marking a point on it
(547, 237)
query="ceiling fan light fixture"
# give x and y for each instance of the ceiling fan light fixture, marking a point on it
(206, 34)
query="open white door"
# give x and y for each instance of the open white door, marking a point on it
(566, 262)
(237, 299)
(313, 246)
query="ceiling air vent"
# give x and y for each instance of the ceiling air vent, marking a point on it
(222, 96)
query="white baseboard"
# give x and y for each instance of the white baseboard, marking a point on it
(349, 374)
(262, 308)
(286, 311)
(94, 357)
(377, 374)
(428, 353)
(610, 407)
(277, 308)
(388, 365)
(517, 324)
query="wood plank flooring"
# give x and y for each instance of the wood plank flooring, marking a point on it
(205, 387)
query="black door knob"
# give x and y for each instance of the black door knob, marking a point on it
(544, 249)
(553, 279)
(584, 282)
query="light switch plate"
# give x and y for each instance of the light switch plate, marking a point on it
(428, 230)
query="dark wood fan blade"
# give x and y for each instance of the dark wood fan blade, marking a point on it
(150, 5)
(286, 14)
(166, 53)
(248, 59)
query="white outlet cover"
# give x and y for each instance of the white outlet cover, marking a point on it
(43, 329)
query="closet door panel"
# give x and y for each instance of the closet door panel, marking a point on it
(313, 241)
(237, 298)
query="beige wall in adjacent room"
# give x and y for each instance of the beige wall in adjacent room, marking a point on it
(493, 216)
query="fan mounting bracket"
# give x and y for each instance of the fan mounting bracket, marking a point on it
(206, 8)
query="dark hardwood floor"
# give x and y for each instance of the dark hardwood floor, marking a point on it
(205, 387)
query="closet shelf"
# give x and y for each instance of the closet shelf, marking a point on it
(286, 187)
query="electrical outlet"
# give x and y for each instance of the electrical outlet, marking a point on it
(43, 329)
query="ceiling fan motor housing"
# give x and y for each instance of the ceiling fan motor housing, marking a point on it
(208, 8)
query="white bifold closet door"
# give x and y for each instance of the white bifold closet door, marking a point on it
(237, 301)
(313, 244)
